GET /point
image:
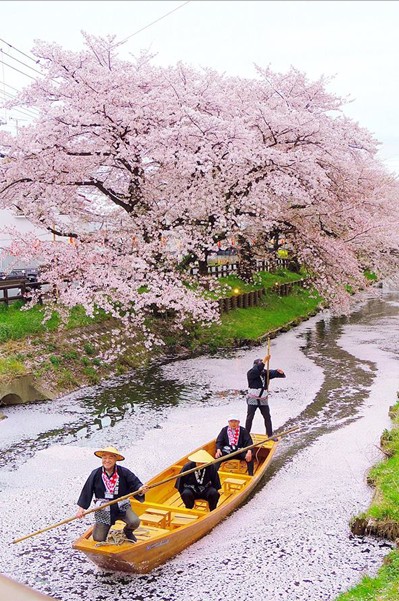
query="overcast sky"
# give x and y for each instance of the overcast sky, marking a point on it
(356, 42)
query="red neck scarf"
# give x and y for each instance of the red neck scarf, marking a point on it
(233, 435)
(110, 483)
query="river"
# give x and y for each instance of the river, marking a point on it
(291, 541)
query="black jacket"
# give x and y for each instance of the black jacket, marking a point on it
(244, 439)
(257, 375)
(128, 482)
(211, 478)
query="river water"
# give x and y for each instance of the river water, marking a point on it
(291, 540)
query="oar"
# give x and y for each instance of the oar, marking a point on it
(131, 494)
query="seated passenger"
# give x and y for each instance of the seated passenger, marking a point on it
(232, 438)
(202, 483)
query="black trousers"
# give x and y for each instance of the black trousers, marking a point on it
(210, 494)
(265, 411)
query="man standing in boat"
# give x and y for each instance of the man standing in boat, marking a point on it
(107, 483)
(258, 392)
(233, 437)
(203, 483)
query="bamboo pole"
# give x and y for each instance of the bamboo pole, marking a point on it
(268, 367)
(131, 494)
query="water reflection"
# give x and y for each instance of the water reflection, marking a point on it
(103, 406)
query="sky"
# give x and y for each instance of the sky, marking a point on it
(355, 42)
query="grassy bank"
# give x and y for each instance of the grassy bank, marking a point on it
(16, 324)
(243, 326)
(63, 357)
(382, 519)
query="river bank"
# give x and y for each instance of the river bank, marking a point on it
(381, 519)
(63, 361)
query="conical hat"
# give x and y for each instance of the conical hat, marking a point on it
(110, 450)
(201, 456)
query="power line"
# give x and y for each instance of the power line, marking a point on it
(20, 51)
(19, 71)
(20, 62)
(22, 113)
(26, 114)
(153, 22)
(8, 86)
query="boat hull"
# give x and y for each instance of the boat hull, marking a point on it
(145, 555)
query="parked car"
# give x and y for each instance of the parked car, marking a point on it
(30, 274)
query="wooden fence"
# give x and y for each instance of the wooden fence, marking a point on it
(16, 289)
(252, 299)
(220, 271)
(21, 288)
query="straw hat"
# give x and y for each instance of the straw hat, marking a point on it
(111, 451)
(201, 456)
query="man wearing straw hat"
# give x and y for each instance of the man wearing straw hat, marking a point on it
(107, 483)
(203, 483)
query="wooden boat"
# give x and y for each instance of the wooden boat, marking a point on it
(167, 527)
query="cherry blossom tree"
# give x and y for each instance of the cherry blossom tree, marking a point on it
(142, 167)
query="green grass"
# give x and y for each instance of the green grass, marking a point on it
(384, 587)
(230, 285)
(385, 476)
(16, 323)
(383, 509)
(252, 323)
(11, 366)
(370, 275)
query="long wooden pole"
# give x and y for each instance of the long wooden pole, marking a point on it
(268, 366)
(131, 494)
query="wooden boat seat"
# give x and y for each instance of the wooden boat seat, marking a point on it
(155, 517)
(233, 484)
(234, 466)
(182, 519)
(201, 505)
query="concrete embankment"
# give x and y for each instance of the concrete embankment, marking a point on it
(20, 390)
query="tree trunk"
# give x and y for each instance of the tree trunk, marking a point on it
(246, 262)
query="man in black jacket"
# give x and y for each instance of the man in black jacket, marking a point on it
(107, 483)
(203, 483)
(258, 390)
(232, 438)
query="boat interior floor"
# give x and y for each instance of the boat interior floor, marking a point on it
(163, 510)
